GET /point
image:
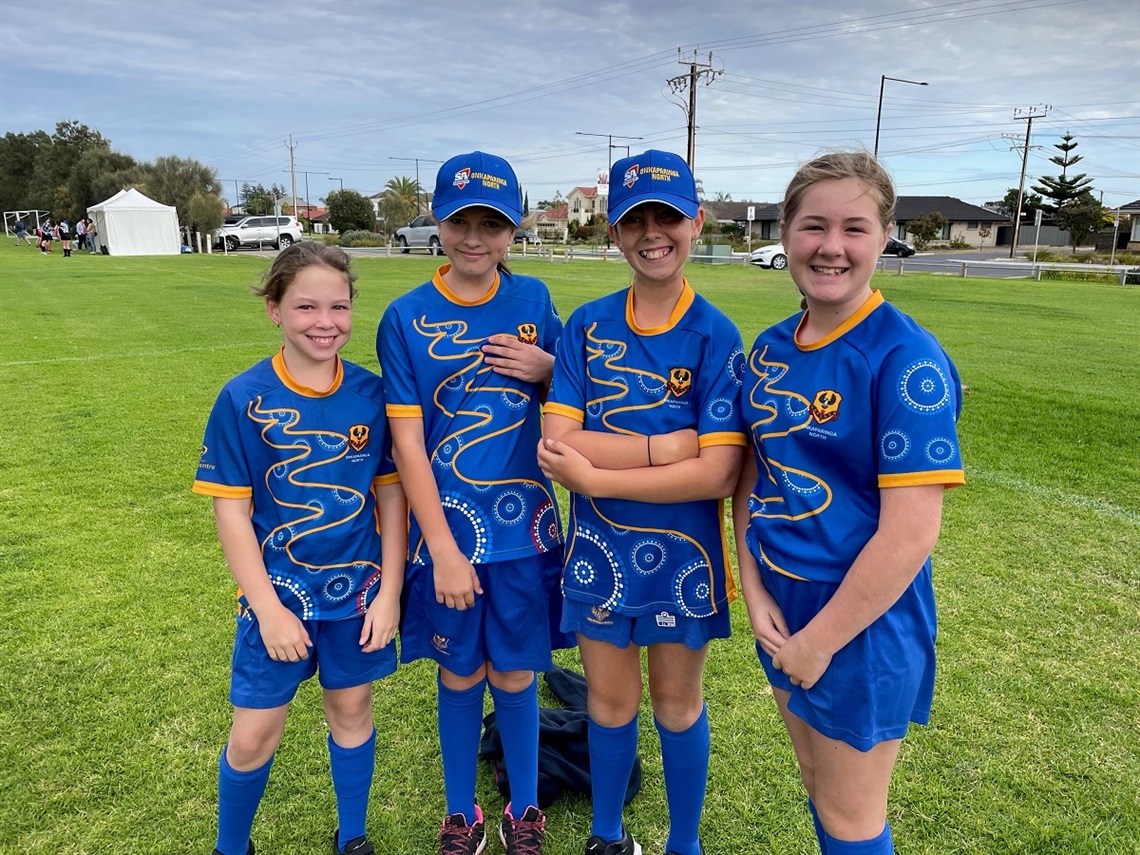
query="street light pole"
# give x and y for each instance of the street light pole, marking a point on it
(341, 180)
(879, 116)
(610, 148)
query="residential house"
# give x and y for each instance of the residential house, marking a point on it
(1133, 209)
(765, 217)
(584, 202)
(552, 225)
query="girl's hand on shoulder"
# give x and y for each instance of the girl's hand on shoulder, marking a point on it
(802, 661)
(456, 582)
(283, 635)
(380, 624)
(559, 462)
(512, 358)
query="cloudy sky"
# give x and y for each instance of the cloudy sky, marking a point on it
(361, 88)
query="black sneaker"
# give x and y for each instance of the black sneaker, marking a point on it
(524, 835)
(456, 837)
(357, 846)
(626, 846)
(248, 851)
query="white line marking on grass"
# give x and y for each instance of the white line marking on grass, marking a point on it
(147, 354)
(1085, 503)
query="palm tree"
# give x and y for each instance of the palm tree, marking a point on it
(400, 202)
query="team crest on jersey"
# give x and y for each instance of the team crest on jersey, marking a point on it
(440, 642)
(600, 615)
(462, 177)
(825, 407)
(358, 437)
(630, 177)
(666, 620)
(680, 379)
(528, 333)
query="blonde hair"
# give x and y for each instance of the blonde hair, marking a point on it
(860, 165)
(293, 259)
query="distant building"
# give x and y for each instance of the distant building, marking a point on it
(583, 202)
(552, 225)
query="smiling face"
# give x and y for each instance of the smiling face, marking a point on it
(655, 240)
(833, 242)
(475, 240)
(315, 315)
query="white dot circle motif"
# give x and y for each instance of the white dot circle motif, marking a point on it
(453, 383)
(594, 566)
(509, 507)
(895, 445)
(349, 497)
(544, 526)
(720, 409)
(281, 470)
(514, 400)
(445, 452)
(583, 572)
(649, 384)
(648, 556)
(300, 594)
(923, 388)
(691, 590)
(940, 450)
(795, 407)
(594, 409)
(338, 588)
(468, 525)
(332, 442)
(281, 537)
(800, 484)
(737, 366)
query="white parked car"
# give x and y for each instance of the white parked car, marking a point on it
(423, 232)
(769, 256)
(278, 232)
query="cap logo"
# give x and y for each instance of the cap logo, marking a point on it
(462, 177)
(630, 177)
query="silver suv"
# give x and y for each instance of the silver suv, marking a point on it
(278, 232)
(423, 232)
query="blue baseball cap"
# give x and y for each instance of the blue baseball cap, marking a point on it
(477, 178)
(652, 176)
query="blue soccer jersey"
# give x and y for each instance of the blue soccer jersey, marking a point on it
(637, 558)
(872, 405)
(308, 460)
(481, 429)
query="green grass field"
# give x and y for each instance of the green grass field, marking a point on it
(118, 605)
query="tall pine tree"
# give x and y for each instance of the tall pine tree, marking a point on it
(1063, 188)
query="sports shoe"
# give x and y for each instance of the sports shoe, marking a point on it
(523, 836)
(357, 846)
(626, 846)
(456, 837)
(674, 853)
(248, 851)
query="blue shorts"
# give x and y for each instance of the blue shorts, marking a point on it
(600, 624)
(513, 624)
(258, 682)
(876, 685)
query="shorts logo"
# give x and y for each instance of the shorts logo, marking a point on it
(680, 379)
(630, 177)
(666, 620)
(528, 333)
(204, 450)
(825, 407)
(440, 643)
(600, 615)
(358, 437)
(462, 177)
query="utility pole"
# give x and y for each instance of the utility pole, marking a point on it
(677, 84)
(419, 202)
(1028, 114)
(308, 201)
(292, 171)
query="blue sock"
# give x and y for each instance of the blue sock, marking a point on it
(239, 794)
(880, 845)
(352, 770)
(612, 752)
(819, 835)
(517, 716)
(685, 759)
(460, 722)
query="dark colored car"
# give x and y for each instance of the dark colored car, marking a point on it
(899, 247)
(529, 235)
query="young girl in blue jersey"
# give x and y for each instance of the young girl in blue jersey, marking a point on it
(643, 427)
(297, 459)
(852, 409)
(466, 359)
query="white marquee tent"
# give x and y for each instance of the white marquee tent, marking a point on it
(131, 224)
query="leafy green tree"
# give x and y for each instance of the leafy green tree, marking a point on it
(551, 204)
(925, 229)
(18, 156)
(54, 163)
(348, 210)
(399, 203)
(1081, 217)
(1062, 188)
(1007, 205)
(174, 180)
(99, 174)
(259, 200)
(204, 211)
